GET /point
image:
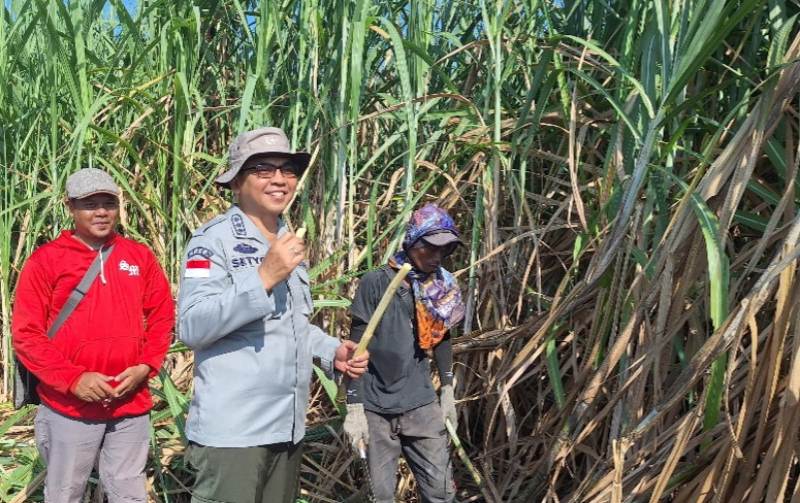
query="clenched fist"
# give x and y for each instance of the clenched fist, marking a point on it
(284, 254)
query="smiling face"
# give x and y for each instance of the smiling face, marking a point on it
(265, 185)
(95, 217)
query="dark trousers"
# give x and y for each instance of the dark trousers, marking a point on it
(261, 474)
(420, 436)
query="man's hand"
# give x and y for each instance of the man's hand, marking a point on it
(447, 401)
(355, 425)
(93, 387)
(348, 364)
(284, 254)
(130, 379)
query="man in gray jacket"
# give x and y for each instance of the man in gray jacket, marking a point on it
(244, 308)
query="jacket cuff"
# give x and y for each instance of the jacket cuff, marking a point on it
(327, 355)
(71, 381)
(154, 366)
(353, 397)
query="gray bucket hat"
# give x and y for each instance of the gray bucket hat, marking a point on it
(89, 181)
(265, 140)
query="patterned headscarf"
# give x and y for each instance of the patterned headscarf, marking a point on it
(437, 297)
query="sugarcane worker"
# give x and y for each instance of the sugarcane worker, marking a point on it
(393, 409)
(244, 308)
(93, 358)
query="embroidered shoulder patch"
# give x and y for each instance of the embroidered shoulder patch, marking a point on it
(239, 229)
(199, 251)
(245, 248)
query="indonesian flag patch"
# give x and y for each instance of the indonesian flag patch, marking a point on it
(197, 268)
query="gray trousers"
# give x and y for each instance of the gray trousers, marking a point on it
(70, 447)
(420, 436)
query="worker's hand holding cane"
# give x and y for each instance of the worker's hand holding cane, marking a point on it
(355, 425)
(447, 402)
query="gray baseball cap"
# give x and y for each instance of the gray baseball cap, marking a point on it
(265, 140)
(88, 181)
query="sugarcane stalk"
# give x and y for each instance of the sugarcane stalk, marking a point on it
(375, 319)
(462, 454)
(301, 232)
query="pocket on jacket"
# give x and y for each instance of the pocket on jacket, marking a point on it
(279, 294)
(107, 354)
(307, 306)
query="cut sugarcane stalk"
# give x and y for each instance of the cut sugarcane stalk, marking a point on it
(375, 319)
(301, 232)
(462, 454)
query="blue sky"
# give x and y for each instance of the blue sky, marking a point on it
(131, 5)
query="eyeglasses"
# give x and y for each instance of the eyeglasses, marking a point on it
(266, 170)
(94, 205)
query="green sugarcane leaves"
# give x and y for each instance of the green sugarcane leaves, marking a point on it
(718, 286)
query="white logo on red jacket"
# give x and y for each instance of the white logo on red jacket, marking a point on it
(133, 270)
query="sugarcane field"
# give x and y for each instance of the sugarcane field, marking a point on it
(341, 251)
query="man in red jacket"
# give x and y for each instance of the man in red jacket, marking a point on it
(93, 372)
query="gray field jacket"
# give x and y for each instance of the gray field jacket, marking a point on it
(253, 349)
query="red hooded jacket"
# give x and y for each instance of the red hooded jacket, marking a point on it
(126, 318)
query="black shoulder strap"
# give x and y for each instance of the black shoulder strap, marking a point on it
(79, 292)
